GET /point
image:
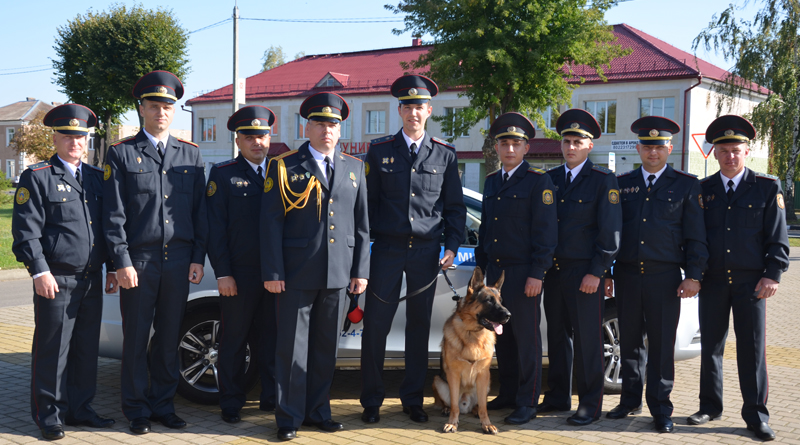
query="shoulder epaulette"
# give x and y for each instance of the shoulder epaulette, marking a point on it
(382, 140)
(281, 156)
(602, 170)
(706, 178)
(188, 142)
(493, 173)
(443, 142)
(556, 167)
(536, 170)
(766, 176)
(226, 163)
(684, 173)
(40, 165)
(625, 174)
(351, 156)
(123, 140)
(93, 167)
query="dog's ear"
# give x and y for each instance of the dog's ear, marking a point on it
(476, 283)
(499, 283)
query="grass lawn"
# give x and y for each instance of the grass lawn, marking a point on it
(794, 242)
(7, 260)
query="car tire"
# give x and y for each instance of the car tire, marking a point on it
(197, 358)
(612, 380)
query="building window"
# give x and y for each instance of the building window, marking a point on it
(10, 168)
(345, 130)
(90, 143)
(9, 136)
(550, 117)
(376, 122)
(450, 115)
(300, 123)
(659, 106)
(606, 114)
(208, 126)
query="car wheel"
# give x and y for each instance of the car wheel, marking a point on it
(611, 353)
(198, 352)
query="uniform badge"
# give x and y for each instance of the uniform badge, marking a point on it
(106, 172)
(212, 188)
(412, 92)
(326, 109)
(366, 168)
(391, 160)
(60, 188)
(73, 122)
(139, 160)
(780, 201)
(547, 196)
(267, 185)
(653, 133)
(636, 190)
(700, 200)
(239, 184)
(354, 184)
(294, 178)
(575, 125)
(613, 196)
(512, 129)
(730, 133)
(255, 123)
(162, 90)
(69, 189)
(385, 160)
(352, 176)
(23, 195)
(308, 175)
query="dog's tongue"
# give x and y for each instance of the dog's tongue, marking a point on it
(498, 328)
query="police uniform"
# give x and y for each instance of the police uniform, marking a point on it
(518, 235)
(234, 206)
(57, 227)
(412, 202)
(662, 232)
(315, 238)
(589, 224)
(747, 241)
(155, 220)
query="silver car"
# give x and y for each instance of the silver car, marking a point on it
(200, 326)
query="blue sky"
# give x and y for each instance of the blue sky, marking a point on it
(29, 30)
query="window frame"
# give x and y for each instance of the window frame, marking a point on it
(204, 129)
(451, 112)
(382, 128)
(663, 106)
(608, 104)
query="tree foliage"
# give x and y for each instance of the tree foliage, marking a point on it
(508, 55)
(273, 58)
(764, 50)
(101, 55)
(34, 139)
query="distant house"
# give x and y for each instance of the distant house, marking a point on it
(655, 79)
(12, 117)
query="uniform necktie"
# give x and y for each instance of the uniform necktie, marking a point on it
(260, 172)
(413, 152)
(160, 148)
(652, 179)
(505, 177)
(569, 178)
(78, 177)
(329, 171)
(730, 189)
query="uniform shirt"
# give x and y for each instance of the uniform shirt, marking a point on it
(410, 141)
(320, 158)
(589, 217)
(646, 174)
(736, 180)
(520, 225)
(155, 208)
(664, 225)
(153, 140)
(422, 199)
(747, 233)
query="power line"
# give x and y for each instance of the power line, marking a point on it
(25, 72)
(345, 20)
(23, 67)
(211, 26)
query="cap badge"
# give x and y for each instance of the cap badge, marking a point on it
(73, 122)
(728, 132)
(326, 109)
(161, 90)
(513, 130)
(255, 123)
(653, 133)
(412, 92)
(575, 125)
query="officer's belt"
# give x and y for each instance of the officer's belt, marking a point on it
(645, 267)
(559, 264)
(736, 276)
(73, 272)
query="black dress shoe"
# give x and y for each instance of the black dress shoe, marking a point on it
(94, 422)
(580, 420)
(521, 415)
(664, 424)
(371, 414)
(762, 430)
(326, 425)
(53, 432)
(700, 418)
(266, 406)
(416, 413)
(140, 425)
(287, 433)
(545, 407)
(500, 403)
(621, 411)
(231, 415)
(170, 420)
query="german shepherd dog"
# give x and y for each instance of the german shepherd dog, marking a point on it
(467, 350)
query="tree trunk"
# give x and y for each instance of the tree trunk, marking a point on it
(490, 159)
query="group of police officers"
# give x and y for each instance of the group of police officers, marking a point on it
(282, 271)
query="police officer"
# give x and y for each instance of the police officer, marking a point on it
(57, 231)
(156, 227)
(662, 232)
(234, 205)
(315, 243)
(414, 197)
(518, 236)
(589, 224)
(748, 250)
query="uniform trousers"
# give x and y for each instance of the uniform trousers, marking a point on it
(574, 315)
(148, 384)
(305, 358)
(247, 316)
(717, 300)
(647, 304)
(519, 348)
(65, 348)
(387, 264)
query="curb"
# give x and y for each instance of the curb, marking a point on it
(14, 274)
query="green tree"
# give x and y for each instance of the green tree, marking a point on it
(101, 55)
(764, 50)
(508, 55)
(273, 57)
(34, 139)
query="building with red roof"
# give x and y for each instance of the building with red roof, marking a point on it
(656, 78)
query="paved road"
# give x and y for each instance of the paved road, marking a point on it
(16, 292)
(205, 426)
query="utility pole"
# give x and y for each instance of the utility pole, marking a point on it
(235, 84)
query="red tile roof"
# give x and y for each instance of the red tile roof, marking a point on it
(372, 72)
